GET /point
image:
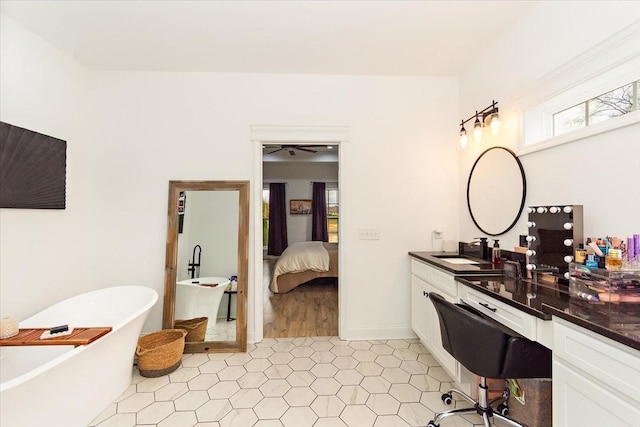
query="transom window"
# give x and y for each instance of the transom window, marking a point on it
(609, 105)
(591, 94)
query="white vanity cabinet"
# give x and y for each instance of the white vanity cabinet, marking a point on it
(424, 319)
(596, 381)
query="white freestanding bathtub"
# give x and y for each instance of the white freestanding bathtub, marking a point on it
(66, 386)
(195, 300)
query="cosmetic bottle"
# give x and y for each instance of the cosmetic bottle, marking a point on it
(495, 254)
(591, 261)
(613, 259)
(581, 254)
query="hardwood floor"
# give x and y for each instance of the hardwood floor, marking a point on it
(310, 310)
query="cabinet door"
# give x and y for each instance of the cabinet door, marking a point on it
(446, 360)
(428, 318)
(419, 320)
(579, 402)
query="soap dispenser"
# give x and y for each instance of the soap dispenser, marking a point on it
(495, 254)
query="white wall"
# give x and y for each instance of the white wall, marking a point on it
(45, 255)
(575, 173)
(299, 176)
(139, 130)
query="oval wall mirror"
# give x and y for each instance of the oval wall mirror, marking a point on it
(206, 264)
(496, 191)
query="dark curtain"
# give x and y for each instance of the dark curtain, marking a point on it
(319, 205)
(277, 219)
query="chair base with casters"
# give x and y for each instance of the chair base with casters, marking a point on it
(482, 407)
(489, 350)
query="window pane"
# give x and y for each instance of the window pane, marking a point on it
(570, 119)
(332, 225)
(332, 215)
(611, 104)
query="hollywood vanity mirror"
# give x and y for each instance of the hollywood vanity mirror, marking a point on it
(207, 244)
(496, 191)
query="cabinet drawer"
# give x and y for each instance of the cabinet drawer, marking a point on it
(442, 281)
(511, 317)
(598, 357)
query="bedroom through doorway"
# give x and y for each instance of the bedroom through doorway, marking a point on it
(300, 220)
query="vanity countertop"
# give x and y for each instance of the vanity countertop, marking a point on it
(617, 321)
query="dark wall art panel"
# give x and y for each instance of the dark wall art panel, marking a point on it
(32, 169)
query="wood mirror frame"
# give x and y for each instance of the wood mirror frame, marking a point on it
(175, 187)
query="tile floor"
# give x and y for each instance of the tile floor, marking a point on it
(293, 382)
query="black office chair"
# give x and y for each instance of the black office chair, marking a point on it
(488, 349)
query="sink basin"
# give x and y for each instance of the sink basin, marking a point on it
(456, 260)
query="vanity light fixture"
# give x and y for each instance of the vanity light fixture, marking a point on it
(487, 117)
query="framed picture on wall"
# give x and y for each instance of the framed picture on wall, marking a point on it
(300, 207)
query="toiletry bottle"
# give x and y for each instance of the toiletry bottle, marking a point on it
(581, 254)
(613, 260)
(495, 254)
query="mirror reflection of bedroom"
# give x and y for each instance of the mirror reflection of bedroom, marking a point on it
(300, 240)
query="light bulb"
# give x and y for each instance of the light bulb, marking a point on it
(495, 124)
(531, 238)
(568, 258)
(464, 140)
(477, 129)
(531, 224)
(542, 210)
(531, 252)
(567, 209)
(554, 209)
(531, 209)
(567, 275)
(531, 267)
(568, 242)
(568, 226)
(477, 133)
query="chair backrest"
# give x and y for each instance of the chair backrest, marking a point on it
(485, 346)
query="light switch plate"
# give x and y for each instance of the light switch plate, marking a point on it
(369, 234)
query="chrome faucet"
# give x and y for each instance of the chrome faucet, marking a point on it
(194, 266)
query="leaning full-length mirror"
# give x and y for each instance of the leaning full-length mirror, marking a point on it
(207, 264)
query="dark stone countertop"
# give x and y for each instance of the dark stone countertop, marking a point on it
(617, 321)
(483, 267)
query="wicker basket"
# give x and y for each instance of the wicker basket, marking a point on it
(196, 328)
(160, 353)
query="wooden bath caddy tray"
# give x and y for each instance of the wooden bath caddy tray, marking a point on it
(79, 336)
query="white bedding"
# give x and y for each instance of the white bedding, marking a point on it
(302, 256)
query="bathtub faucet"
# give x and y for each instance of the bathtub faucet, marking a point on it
(194, 266)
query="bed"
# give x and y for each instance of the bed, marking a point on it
(302, 262)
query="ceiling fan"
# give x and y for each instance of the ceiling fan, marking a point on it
(292, 149)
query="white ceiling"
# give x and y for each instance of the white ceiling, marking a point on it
(308, 37)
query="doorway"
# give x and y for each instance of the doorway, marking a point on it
(300, 299)
(287, 136)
